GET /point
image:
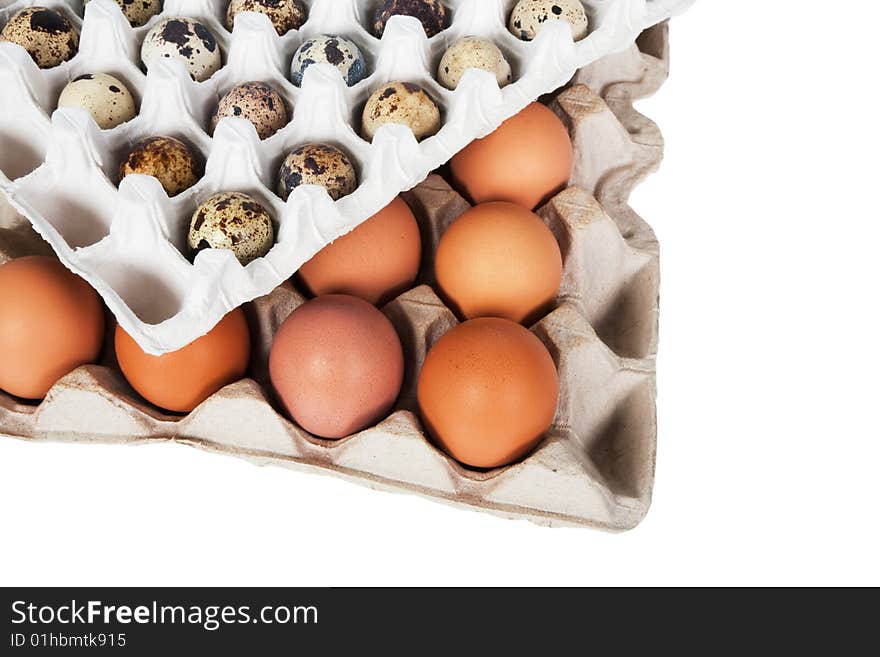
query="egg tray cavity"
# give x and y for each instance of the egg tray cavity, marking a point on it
(596, 467)
(59, 168)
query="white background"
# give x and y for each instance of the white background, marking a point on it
(769, 440)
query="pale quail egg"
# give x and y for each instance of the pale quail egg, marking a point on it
(529, 16)
(107, 99)
(473, 52)
(258, 103)
(317, 164)
(46, 34)
(431, 13)
(233, 221)
(138, 12)
(168, 160)
(401, 102)
(336, 50)
(285, 15)
(187, 41)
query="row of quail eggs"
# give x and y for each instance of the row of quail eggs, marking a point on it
(51, 39)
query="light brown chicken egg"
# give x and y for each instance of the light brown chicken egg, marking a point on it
(528, 159)
(499, 260)
(488, 392)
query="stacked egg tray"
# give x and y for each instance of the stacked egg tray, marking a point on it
(596, 466)
(128, 240)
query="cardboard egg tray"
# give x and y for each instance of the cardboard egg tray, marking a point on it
(129, 241)
(595, 468)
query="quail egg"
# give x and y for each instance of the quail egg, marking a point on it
(168, 160)
(529, 16)
(107, 99)
(473, 52)
(185, 40)
(258, 103)
(336, 50)
(431, 13)
(46, 34)
(285, 15)
(317, 164)
(138, 12)
(233, 221)
(401, 102)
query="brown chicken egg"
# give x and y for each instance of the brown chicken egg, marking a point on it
(499, 260)
(181, 380)
(51, 322)
(376, 261)
(337, 365)
(488, 392)
(526, 161)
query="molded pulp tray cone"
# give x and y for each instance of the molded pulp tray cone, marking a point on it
(595, 468)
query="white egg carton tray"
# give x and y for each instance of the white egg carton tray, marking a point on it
(59, 169)
(596, 468)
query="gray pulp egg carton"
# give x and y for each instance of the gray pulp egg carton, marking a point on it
(596, 467)
(129, 241)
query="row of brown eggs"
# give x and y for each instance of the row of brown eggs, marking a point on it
(488, 389)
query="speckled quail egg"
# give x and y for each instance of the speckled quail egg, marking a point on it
(285, 15)
(529, 16)
(46, 34)
(317, 164)
(233, 221)
(138, 12)
(258, 103)
(168, 160)
(185, 40)
(431, 13)
(106, 98)
(342, 53)
(401, 102)
(473, 52)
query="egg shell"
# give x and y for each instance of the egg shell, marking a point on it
(168, 160)
(257, 102)
(473, 52)
(431, 13)
(337, 51)
(529, 16)
(405, 103)
(138, 12)
(488, 392)
(527, 160)
(317, 164)
(181, 380)
(46, 34)
(285, 15)
(233, 221)
(499, 260)
(105, 97)
(187, 41)
(377, 261)
(337, 366)
(51, 322)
